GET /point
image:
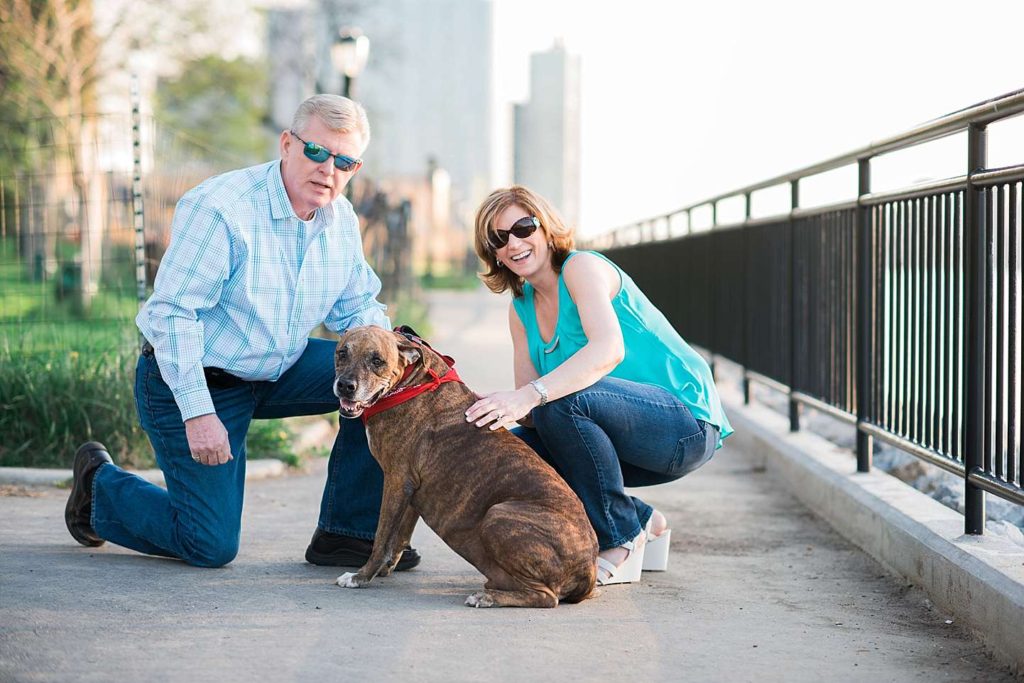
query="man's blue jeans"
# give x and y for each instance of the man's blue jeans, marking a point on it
(198, 517)
(617, 433)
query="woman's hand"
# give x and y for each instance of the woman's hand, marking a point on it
(503, 408)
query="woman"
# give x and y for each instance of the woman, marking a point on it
(616, 397)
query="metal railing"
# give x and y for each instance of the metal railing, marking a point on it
(898, 312)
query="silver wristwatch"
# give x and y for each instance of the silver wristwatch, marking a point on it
(540, 389)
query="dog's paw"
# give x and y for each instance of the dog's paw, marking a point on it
(480, 599)
(348, 580)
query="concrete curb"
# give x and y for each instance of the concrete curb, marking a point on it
(31, 476)
(315, 433)
(978, 579)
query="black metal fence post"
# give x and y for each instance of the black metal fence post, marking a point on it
(979, 245)
(745, 311)
(711, 364)
(898, 312)
(794, 405)
(865, 309)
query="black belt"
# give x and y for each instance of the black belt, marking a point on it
(216, 378)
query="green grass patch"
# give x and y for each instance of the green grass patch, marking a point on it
(271, 439)
(50, 403)
(457, 281)
(67, 372)
(414, 313)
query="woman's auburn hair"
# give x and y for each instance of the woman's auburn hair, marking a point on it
(557, 234)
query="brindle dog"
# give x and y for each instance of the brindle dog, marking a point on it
(485, 493)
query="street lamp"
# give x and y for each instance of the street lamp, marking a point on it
(349, 54)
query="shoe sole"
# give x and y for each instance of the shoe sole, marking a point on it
(656, 552)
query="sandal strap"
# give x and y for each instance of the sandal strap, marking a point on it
(607, 568)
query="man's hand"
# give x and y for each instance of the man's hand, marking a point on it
(208, 440)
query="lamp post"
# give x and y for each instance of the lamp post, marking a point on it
(349, 54)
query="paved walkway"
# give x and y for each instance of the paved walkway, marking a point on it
(758, 590)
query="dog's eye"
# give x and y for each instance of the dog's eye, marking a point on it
(377, 361)
(342, 352)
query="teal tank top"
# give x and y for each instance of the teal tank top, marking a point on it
(654, 352)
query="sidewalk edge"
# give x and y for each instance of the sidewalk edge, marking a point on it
(262, 468)
(978, 579)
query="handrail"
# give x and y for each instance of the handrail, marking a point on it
(925, 277)
(1002, 107)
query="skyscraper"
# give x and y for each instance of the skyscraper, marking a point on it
(547, 131)
(428, 90)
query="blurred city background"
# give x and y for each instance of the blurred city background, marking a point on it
(111, 109)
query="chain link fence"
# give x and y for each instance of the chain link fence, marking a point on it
(71, 260)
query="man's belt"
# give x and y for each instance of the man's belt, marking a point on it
(216, 378)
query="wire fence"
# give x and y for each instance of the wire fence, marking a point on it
(86, 206)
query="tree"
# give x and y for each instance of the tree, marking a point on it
(220, 104)
(53, 55)
(49, 55)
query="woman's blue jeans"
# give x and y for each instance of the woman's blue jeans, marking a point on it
(617, 433)
(198, 517)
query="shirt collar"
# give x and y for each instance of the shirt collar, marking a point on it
(281, 207)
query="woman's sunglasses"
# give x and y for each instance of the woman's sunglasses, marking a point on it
(320, 154)
(522, 228)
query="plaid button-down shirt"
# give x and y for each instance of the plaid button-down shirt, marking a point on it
(244, 281)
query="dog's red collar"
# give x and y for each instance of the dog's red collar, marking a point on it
(404, 394)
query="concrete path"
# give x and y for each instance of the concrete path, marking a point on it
(758, 590)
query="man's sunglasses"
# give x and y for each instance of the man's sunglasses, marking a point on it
(522, 228)
(320, 154)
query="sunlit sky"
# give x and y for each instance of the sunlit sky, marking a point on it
(685, 100)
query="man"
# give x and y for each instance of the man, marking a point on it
(258, 258)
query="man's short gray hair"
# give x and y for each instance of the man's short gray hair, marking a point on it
(338, 113)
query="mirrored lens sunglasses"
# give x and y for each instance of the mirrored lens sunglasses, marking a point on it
(320, 154)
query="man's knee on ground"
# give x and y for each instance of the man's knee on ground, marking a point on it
(211, 553)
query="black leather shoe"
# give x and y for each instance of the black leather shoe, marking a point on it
(78, 512)
(334, 550)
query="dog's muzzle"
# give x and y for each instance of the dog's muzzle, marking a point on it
(345, 389)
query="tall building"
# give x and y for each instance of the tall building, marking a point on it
(427, 88)
(546, 154)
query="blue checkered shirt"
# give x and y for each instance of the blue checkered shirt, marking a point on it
(244, 281)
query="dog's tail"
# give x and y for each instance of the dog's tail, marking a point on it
(581, 586)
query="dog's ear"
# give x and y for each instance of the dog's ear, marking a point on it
(409, 351)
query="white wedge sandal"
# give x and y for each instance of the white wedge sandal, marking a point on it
(629, 570)
(656, 549)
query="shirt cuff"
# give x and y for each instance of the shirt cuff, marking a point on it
(194, 402)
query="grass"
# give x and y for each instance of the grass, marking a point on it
(67, 374)
(457, 281)
(52, 403)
